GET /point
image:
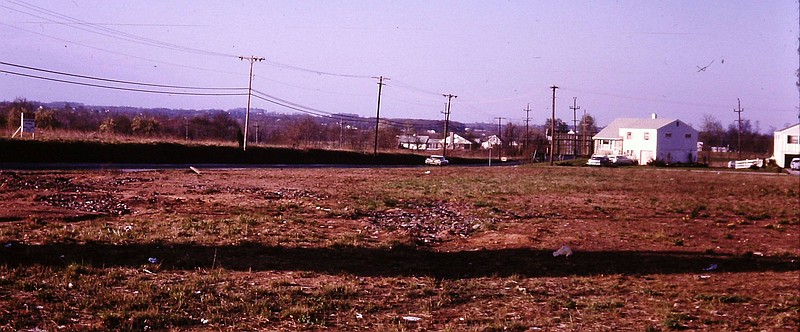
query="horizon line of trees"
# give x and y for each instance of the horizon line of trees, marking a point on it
(309, 131)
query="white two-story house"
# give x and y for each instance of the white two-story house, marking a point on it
(645, 140)
(787, 145)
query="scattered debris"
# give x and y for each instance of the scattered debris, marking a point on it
(411, 318)
(204, 321)
(148, 272)
(427, 172)
(359, 316)
(758, 253)
(102, 203)
(128, 228)
(194, 169)
(704, 276)
(427, 222)
(711, 267)
(564, 250)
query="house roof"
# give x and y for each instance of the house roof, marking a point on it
(789, 128)
(612, 130)
(457, 139)
(413, 139)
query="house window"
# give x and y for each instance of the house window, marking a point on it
(668, 135)
(793, 139)
(629, 135)
(646, 136)
(688, 136)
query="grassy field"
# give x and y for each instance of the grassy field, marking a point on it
(452, 248)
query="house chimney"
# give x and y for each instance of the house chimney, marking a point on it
(653, 116)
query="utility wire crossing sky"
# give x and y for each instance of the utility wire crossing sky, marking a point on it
(679, 59)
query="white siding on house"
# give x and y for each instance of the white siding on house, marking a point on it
(669, 140)
(787, 145)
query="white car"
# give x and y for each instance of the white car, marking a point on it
(436, 160)
(598, 161)
(795, 164)
(621, 160)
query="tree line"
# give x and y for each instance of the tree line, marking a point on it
(345, 132)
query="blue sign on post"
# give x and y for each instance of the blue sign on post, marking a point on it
(28, 126)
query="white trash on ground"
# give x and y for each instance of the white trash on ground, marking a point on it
(564, 250)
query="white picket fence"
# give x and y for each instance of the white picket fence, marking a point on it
(740, 164)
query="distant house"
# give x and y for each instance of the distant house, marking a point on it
(413, 142)
(454, 141)
(668, 140)
(787, 145)
(491, 142)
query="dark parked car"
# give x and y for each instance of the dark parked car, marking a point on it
(621, 160)
(599, 161)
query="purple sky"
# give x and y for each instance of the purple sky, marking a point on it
(619, 58)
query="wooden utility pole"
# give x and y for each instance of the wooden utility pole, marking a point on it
(739, 130)
(500, 134)
(583, 133)
(527, 120)
(446, 123)
(553, 125)
(252, 59)
(378, 113)
(574, 109)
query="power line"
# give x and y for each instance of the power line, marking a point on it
(118, 53)
(317, 112)
(108, 32)
(119, 81)
(123, 88)
(121, 35)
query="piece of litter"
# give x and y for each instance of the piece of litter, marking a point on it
(128, 228)
(427, 172)
(147, 271)
(70, 285)
(194, 170)
(705, 277)
(204, 321)
(359, 316)
(152, 260)
(564, 250)
(411, 319)
(758, 253)
(711, 267)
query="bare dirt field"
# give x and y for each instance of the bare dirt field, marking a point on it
(453, 248)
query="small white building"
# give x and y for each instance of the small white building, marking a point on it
(491, 142)
(645, 140)
(413, 142)
(454, 142)
(787, 145)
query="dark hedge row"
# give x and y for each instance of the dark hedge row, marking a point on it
(32, 151)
